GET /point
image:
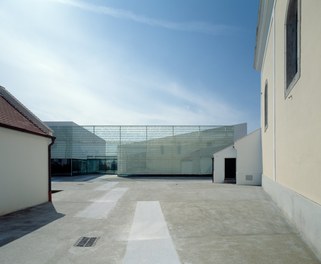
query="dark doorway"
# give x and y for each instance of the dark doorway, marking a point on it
(230, 170)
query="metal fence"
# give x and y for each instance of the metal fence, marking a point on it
(138, 150)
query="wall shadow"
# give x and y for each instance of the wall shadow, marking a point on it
(79, 178)
(23, 222)
(167, 177)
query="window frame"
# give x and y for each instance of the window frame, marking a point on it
(266, 105)
(288, 87)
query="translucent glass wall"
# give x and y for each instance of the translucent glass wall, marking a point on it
(171, 150)
(132, 150)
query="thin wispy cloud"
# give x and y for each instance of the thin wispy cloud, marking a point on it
(90, 85)
(62, 91)
(193, 26)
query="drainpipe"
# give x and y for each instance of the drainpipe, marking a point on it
(274, 95)
(212, 169)
(49, 168)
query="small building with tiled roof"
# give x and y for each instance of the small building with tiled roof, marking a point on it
(24, 156)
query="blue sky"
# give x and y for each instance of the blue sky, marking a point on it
(132, 62)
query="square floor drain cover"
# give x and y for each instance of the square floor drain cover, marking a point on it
(86, 242)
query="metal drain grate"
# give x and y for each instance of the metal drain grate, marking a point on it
(86, 242)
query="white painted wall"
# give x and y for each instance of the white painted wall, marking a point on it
(23, 170)
(292, 142)
(248, 154)
(291, 145)
(219, 163)
(302, 212)
(249, 159)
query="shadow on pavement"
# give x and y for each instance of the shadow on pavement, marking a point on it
(23, 222)
(167, 177)
(80, 178)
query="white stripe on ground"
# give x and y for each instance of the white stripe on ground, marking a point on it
(106, 186)
(100, 208)
(113, 196)
(149, 239)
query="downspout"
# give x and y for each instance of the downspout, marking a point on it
(49, 168)
(213, 169)
(274, 96)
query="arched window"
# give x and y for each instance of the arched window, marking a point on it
(292, 28)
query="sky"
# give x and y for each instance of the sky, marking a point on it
(125, 62)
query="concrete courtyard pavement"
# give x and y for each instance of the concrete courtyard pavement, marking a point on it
(155, 220)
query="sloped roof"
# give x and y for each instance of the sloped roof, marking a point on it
(16, 116)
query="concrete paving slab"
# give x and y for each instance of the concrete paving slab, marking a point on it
(149, 239)
(207, 223)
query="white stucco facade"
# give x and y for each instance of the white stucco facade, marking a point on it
(249, 159)
(23, 170)
(219, 163)
(248, 154)
(290, 114)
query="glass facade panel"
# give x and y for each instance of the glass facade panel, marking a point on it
(137, 150)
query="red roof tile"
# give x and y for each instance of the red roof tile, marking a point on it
(11, 117)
